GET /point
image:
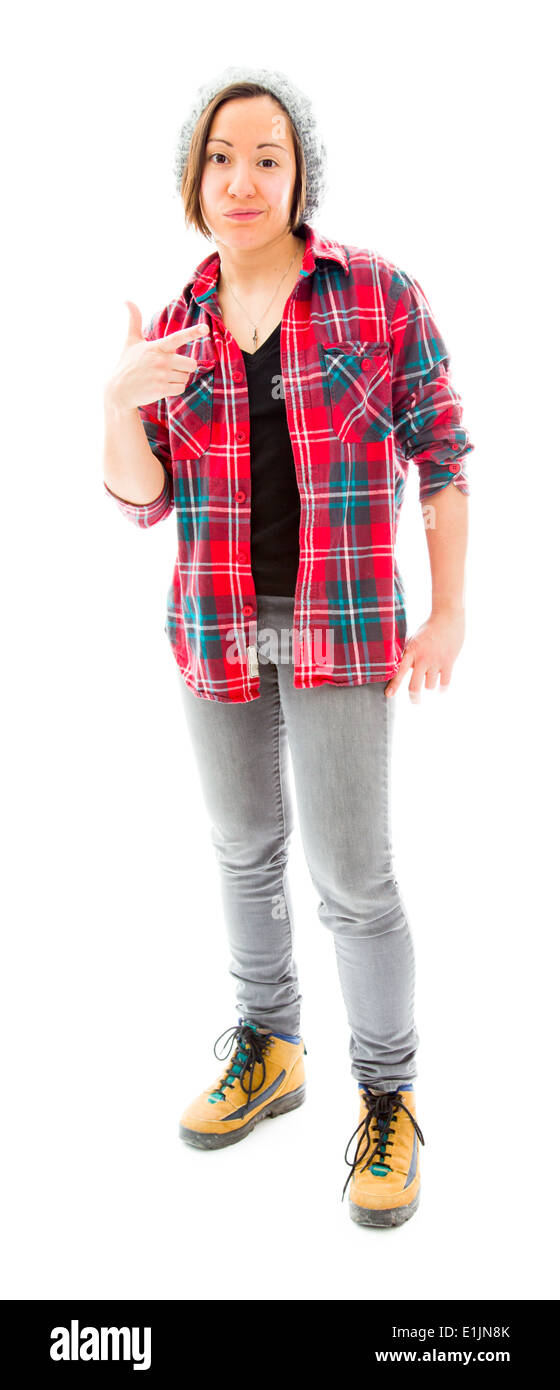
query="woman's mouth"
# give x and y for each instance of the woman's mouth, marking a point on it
(243, 216)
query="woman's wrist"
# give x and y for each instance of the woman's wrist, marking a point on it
(113, 402)
(448, 608)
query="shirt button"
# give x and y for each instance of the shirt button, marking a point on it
(240, 496)
(242, 556)
(241, 436)
(366, 363)
(247, 610)
(237, 376)
(455, 468)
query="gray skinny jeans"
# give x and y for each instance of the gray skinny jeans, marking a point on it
(339, 740)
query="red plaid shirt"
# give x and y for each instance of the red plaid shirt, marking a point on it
(367, 388)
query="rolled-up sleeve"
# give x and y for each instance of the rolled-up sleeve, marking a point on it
(427, 409)
(154, 420)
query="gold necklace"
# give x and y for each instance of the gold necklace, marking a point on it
(255, 336)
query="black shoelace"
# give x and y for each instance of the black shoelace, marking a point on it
(250, 1049)
(380, 1111)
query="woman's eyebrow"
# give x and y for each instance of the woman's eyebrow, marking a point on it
(267, 144)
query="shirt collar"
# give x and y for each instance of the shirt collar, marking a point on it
(203, 281)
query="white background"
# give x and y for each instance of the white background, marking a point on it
(442, 139)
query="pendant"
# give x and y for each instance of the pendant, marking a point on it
(255, 338)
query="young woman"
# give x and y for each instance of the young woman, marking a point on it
(275, 405)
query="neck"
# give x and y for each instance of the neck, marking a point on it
(254, 268)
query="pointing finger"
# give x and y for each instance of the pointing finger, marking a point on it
(183, 335)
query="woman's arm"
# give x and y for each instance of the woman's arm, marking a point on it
(137, 462)
(131, 470)
(446, 523)
(434, 648)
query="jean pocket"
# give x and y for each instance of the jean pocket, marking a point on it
(359, 377)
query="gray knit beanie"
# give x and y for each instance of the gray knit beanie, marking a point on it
(298, 107)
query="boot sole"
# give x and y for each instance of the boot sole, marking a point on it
(198, 1140)
(393, 1216)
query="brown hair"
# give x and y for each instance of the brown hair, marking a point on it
(194, 166)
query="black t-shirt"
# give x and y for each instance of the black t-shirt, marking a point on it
(275, 499)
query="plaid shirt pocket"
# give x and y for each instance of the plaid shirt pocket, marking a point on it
(358, 375)
(190, 414)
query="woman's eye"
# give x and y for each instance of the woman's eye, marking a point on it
(218, 154)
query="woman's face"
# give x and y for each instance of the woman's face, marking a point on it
(249, 163)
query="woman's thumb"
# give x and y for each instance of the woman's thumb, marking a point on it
(134, 328)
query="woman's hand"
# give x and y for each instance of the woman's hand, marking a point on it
(147, 371)
(431, 652)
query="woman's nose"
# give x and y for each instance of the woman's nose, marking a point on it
(242, 184)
